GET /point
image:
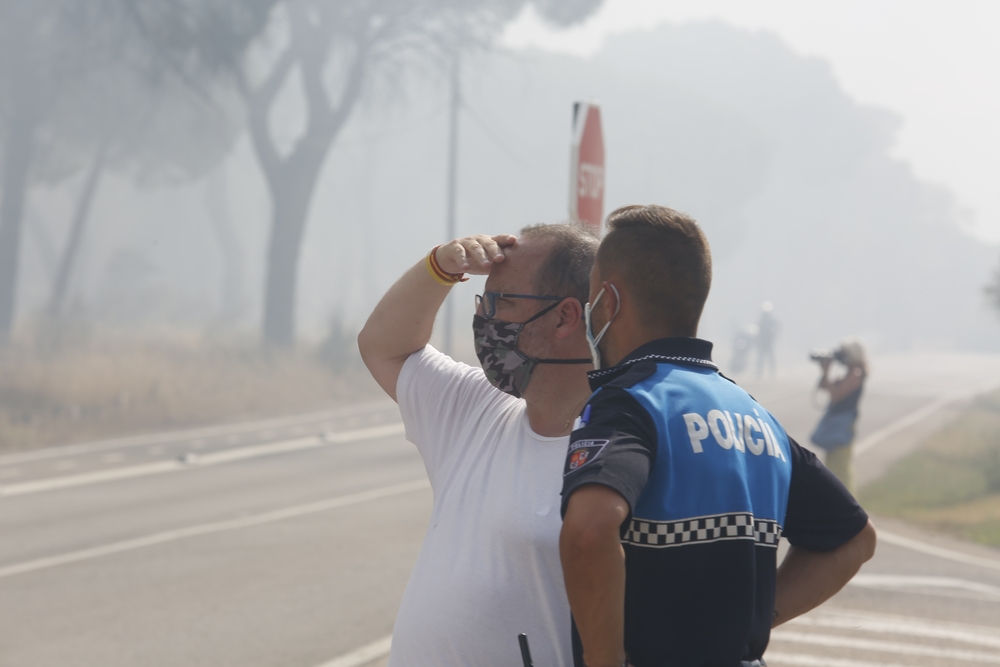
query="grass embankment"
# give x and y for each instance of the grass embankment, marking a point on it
(952, 483)
(116, 385)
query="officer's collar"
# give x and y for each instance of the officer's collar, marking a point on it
(694, 351)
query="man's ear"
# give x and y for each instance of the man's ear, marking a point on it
(570, 317)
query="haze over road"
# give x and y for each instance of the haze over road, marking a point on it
(288, 542)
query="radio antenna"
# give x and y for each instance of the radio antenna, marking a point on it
(522, 639)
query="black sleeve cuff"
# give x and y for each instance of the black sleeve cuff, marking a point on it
(822, 514)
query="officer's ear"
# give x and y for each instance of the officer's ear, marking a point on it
(570, 314)
(611, 302)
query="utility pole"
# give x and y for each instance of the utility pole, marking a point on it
(456, 100)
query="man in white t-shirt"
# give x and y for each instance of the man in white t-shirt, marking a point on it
(493, 443)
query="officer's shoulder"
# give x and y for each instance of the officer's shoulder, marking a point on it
(636, 373)
(737, 384)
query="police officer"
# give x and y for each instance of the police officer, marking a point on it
(677, 484)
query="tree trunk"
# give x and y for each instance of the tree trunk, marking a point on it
(292, 179)
(72, 249)
(17, 154)
(291, 198)
(43, 244)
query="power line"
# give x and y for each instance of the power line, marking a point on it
(495, 138)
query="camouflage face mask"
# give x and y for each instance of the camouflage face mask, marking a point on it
(507, 368)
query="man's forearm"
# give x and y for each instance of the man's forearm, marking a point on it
(594, 570)
(595, 586)
(807, 579)
(403, 320)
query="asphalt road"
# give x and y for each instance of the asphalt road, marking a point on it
(288, 542)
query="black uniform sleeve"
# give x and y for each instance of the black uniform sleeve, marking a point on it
(822, 514)
(616, 448)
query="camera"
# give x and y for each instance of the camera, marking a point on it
(828, 355)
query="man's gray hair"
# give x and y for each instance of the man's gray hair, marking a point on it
(572, 252)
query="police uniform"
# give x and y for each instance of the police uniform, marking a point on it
(712, 481)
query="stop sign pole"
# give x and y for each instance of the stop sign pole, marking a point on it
(586, 170)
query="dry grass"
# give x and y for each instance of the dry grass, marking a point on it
(952, 483)
(123, 384)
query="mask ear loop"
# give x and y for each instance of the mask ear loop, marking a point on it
(545, 361)
(520, 327)
(618, 302)
(541, 312)
(588, 312)
(618, 307)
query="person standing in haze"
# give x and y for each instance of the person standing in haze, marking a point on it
(678, 485)
(835, 431)
(492, 440)
(767, 331)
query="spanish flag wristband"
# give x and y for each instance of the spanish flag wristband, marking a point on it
(441, 276)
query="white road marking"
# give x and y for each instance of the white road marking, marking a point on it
(363, 655)
(877, 436)
(940, 552)
(215, 527)
(384, 430)
(850, 621)
(800, 660)
(188, 434)
(896, 648)
(95, 477)
(900, 625)
(897, 581)
(198, 461)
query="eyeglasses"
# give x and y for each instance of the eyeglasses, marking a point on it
(486, 303)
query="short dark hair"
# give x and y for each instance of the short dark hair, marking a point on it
(572, 251)
(665, 262)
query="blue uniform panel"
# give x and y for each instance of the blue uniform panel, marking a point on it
(719, 453)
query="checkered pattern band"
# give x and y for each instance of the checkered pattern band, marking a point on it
(701, 530)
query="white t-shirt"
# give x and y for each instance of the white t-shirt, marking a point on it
(489, 565)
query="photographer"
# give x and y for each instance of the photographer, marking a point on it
(835, 431)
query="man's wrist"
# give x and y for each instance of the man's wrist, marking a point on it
(439, 275)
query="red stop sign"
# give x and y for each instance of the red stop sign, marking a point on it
(586, 185)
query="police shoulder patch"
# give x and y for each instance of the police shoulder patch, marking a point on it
(581, 452)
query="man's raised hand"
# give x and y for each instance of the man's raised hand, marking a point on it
(473, 254)
(403, 320)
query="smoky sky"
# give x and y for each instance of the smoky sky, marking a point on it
(794, 183)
